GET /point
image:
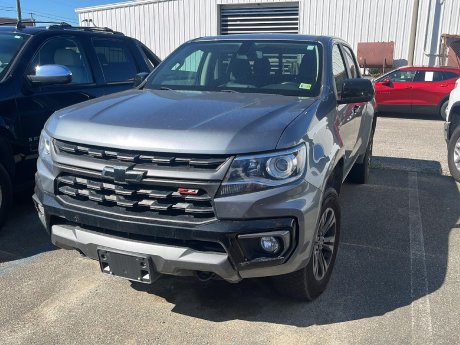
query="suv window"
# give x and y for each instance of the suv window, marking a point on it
(401, 76)
(351, 62)
(148, 56)
(10, 44)
(338, 68)
(66, 52)
(450, 75)
(427, 76)
(115, 60)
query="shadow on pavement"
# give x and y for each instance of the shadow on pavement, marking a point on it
(23, 235)
(431, 117)
(407, 164)
(373, 273)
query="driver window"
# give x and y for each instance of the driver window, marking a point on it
(66, 52)
(402, 76)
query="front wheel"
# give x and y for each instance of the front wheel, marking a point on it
(309, 282)
(453, 154)
(6, 193)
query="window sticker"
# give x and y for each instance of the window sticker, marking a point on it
(429, 76)
(305, 86)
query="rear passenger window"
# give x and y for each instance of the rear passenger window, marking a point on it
(450, 75)
(339, 70)
(351, 62)
(428, 76)
(115, 60)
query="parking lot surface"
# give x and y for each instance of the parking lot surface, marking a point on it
(411, 143)
(396, 280)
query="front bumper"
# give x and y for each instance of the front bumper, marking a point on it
(220, 246)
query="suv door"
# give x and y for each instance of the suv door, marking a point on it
(37, 103)
(429, 89)
(393, 92)
(117, 62)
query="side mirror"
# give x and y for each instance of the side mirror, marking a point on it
(139, 78)
(386, 81)
(51, 74)
(357, 91)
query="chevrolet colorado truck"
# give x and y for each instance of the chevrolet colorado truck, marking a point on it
(226, 162)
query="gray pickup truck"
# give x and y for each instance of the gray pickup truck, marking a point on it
(226, 162)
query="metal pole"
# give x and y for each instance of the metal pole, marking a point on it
(18, 7)
(413, 32)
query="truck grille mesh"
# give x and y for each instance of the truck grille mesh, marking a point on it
(162, 202)
(203, 162)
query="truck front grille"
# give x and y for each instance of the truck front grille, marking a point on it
(112, 156)
(162, 202)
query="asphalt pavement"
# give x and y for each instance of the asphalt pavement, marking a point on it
(396, 279)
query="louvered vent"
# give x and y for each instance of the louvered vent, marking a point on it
(260, 19)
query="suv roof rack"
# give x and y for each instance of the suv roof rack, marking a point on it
(61, 25)
(84, 28)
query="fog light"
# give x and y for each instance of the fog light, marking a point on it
(270, 244)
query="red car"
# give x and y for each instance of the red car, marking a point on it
(417, 90)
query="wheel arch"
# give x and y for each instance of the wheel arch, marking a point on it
(454, 117)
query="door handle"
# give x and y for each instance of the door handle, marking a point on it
(408, 87)
(443, 85)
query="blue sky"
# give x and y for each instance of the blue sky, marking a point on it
(53, 10)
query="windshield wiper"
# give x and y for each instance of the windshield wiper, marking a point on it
(231, 91)
(165, 88)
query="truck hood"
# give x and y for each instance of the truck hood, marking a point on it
(179, 121)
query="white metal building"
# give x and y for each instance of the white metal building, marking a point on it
(165, 24)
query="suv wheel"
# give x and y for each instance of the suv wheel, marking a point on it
(309, 282)
(442, 110)
(6, 193)
(453, 154)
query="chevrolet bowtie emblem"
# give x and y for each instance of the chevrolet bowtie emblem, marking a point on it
(123, 174)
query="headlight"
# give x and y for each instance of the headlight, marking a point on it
(258, 172)
(44, 146)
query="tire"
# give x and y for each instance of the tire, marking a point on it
(359, 174)
(309, 282)
(442, 110)
(6, 194)
(453, 154)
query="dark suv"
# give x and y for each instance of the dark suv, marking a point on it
(43, 69)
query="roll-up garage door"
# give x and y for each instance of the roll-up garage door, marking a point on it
(280, 18)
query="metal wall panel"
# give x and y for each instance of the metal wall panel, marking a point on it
(165, 24)
(269, 18)
(436, 17)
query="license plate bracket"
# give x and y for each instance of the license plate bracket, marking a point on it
(128, 266)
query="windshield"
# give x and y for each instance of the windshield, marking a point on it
(9, 47)
(279, 67)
